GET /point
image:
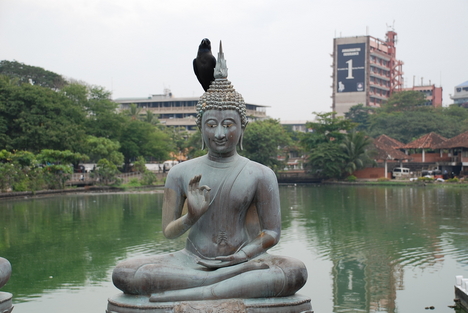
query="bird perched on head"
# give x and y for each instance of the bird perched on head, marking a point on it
(204, 64)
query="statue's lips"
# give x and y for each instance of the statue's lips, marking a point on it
(220, 142)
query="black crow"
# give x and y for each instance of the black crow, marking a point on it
(204, 64)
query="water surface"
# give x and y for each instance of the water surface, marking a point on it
(367, 249)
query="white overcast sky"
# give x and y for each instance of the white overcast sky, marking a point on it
(277, 52)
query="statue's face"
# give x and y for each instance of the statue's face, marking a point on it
(221, 131)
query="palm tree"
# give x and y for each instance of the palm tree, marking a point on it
(355, 147)
(151, 118)
(133, 111)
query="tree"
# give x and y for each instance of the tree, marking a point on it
(103, 120)
(360, 115)
(133, 111)
(102, 148)
(325, 157)
(409, 125)
(27, 74)
(326, 129)
(355, 147)
(142, 139)
(263, 141)
(194, 143)
(37, 118)
(59, 165)
(147, 177)
(179, 140)
(106, 172)
(326, 160)
(404, 101)
(150, 117)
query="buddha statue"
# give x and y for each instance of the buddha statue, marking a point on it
(230, 208)
(6, 305)
(5, 271)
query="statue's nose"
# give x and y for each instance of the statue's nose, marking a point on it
(220, 133)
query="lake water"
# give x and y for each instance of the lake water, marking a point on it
(367, 249)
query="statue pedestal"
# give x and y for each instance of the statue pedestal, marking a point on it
(123, 303)
(5, 302)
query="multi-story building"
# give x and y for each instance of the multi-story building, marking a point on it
(460, 95)
(365, 71)
(432, 94)
(298, 126)
(179, 112)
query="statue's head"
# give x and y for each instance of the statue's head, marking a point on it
(221, 96)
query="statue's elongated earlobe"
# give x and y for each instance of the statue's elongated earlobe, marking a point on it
(240, 141)
(202, 144)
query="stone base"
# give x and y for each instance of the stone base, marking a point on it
(123, 303)
(5, 302)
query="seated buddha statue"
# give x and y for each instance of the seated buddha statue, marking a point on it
(229, 206)
(5, 271)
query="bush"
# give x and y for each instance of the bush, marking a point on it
(148, 178)
(20, 186)
(134, 182)
(351, 178)
(106, 173)
(383, 179)
(452, 180)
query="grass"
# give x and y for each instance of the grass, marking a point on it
(136, 183)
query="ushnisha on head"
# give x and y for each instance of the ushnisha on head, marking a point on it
(221, 95)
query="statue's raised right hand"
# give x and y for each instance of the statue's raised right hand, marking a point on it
(198, 199)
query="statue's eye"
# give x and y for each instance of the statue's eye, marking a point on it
(227, 125)
(212, 125)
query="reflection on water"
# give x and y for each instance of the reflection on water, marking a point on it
(368, 249)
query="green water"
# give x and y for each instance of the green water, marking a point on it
(367, 249)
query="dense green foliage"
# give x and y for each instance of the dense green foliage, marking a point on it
(360, 115)
(355, 147)
(36, 118)
(333, 149)
(263, 141)
(81, 119)
(33, 75)
(405, 117)
(49, 125)
(44, 119)
(24, 171)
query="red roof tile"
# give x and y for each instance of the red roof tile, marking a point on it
(386, 141)
(429, 141)
(460, 141)
(388, 149)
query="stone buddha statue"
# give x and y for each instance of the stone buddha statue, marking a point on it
(5, 271)
(230, 208)
(6, 305)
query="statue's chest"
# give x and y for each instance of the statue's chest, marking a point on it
(234, 194)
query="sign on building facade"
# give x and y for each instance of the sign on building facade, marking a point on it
(351, 68)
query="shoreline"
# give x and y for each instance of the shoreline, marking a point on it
(159, 188)
(79, 190)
